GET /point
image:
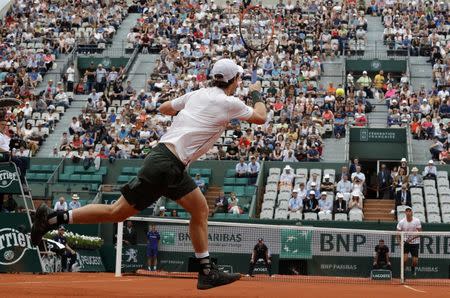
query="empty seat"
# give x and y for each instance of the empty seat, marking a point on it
(443, 190)
(271, 188)
(421, 217)
(416, 191)
(271, 196)
(318, 172)
(442, 174)
(429, 182)
(273, 179)
(281, 214)
(310, 216)
(434, 218)
(355, 217)
(268, 204)
(284, 196)
(286, 188)
(274, 171)
(295, 215)
(325, 216)
(432, 209)
(283, 204)
(446, 218)
(266, 214)
(341, 217)
(416, 199)
(445, 209)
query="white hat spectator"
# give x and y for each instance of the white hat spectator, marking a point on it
(296, 190)
(339, 195)
(414, 169)
(162, 208)
(364, 72)
(75, 196)
(326, 176)
(431, 161)
(324, 193)
(403, 160)
(225, 69)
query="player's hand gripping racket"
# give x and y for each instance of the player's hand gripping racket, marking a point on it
(256, 27)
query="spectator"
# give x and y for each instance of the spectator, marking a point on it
(436, 148)
(311, 204)
(287, 177)
(200, 183)
(430, 171)
(221, 205)
(68, 253)
(403, 197)
(253, 170)
(61, 205)
(384, 180)
(325, 205)
(162, 211)
(355, 205)
(295, 202)
(339, 205)
(358, 174)
(129, 234)
(327, 185)
(174, 213)
(74, 204)
(415, 179)
(241, 169)
(233, 206)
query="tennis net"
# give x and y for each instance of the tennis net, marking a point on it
(296, 252)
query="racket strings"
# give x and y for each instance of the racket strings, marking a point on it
(257, 29)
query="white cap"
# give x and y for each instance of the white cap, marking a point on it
(403, 160)
(326, 176)
(355, 194)
(431, 161)
(162, 208)
(313, 183)
(414, 169)
(288, 167)
(296, 190)
(75, 196)
(364, 72)
(339, 195)
(324, 193)
(312, 192)
(227, 69)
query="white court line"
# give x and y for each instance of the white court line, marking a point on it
(61, 281)
(413, 289)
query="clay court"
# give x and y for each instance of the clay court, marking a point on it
(105, 284)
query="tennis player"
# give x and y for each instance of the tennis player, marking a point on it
(412, 242)
(200, 118)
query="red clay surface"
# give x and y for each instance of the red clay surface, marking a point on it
(105, 284)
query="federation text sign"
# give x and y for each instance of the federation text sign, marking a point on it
(378, 135)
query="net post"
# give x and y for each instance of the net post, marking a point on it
(402, 258)
(119, 249)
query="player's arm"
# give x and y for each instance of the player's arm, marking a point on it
(419, 229)
(259, 107)
(172, 107)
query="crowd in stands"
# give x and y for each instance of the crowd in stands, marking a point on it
(125, 123)
(33, 35)
(420, 27)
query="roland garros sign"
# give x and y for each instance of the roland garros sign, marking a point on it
(13, 245)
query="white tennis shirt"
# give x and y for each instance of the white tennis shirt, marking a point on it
(202, 118)
(410, 226)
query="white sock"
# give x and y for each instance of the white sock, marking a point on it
(202, 255)
(70, 217)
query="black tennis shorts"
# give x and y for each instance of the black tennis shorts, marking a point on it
(412, 249)
(162, 174)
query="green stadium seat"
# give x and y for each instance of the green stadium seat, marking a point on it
(69, 169)
(96, 178)
(184, 215)
(64, 177)
(46, 168)
(230, 173)
(35, 168)
(239, 190)
(75, 177)
(229, 181)
(123, 179)
(250, 190)
(205, 172)
(220, 215)
(31, 176)
(127, 170)
(241, 181)
(228, 188)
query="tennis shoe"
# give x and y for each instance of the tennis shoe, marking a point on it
(40, 225)
(215, 278)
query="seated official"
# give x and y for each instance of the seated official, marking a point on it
(295, 202)
(253, 170)
(430, 171)
(68, 253)
(200, 183)
(241, 169)
(403, 197)
(221, 205)
(381, 258)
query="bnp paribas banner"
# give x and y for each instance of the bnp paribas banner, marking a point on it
(16, 252)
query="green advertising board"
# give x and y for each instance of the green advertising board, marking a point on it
(9, 181)
(296, 244)
(88, 261)
(16, 252)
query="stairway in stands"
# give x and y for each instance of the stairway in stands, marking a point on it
(375, 210)
(211, 196)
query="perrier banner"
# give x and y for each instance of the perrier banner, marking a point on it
(16, 252)
(9, 181)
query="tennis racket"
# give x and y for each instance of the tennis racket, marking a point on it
(256, 28)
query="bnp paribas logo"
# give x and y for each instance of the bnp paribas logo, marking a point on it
(13, 245)
(7, 178)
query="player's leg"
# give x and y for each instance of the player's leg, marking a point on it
(155, 260)
(47, 219)
(415, 258)
(209, 276)
(268, 266)
(251, 268)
